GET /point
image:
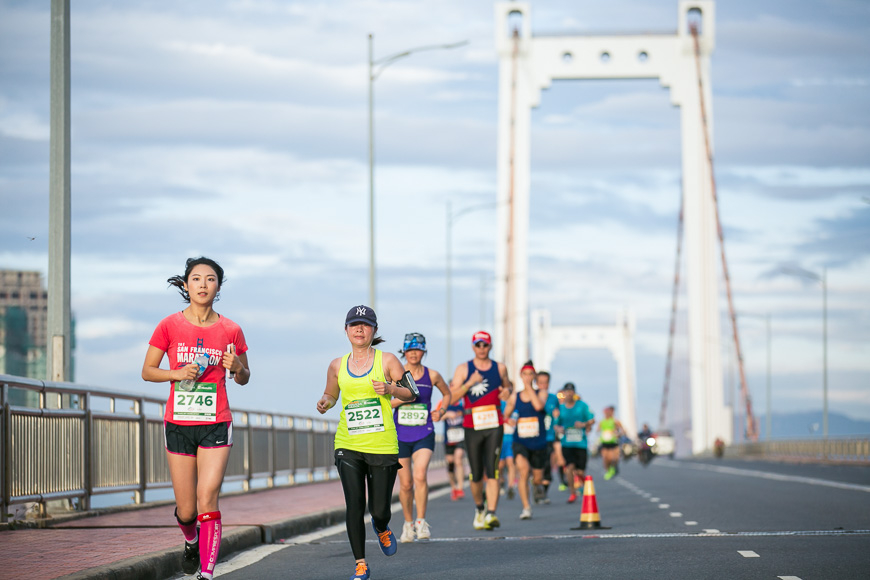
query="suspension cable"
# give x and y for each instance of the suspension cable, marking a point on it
(674, 297)
(751, 424)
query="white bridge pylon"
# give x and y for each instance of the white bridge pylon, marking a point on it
(547, 340)
(528, 65)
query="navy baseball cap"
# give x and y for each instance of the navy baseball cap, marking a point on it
(361, 313)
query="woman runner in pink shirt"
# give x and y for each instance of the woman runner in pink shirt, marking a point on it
(201, 346)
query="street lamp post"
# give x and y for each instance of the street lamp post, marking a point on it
(823, 280)
(376, 67)
(451, 217)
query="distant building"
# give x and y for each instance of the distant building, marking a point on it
(23, 326)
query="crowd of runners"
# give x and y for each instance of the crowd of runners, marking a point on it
(511, 434)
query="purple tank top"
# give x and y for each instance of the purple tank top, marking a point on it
(414, 420)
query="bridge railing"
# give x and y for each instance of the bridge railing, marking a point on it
(841, 449)
(82, 441)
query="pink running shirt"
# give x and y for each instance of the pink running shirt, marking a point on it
(182, 341)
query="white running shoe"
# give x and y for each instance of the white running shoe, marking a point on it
(421, 527)
(479, 523)
(408, 533)
(526, 514)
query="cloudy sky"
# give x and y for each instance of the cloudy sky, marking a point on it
(238, 130)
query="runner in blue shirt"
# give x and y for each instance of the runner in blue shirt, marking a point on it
(573, 421)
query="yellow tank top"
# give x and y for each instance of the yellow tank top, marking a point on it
(366, 420)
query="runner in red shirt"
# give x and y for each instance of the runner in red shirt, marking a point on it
(201, 346)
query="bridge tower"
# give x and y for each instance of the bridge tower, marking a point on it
(528, 65)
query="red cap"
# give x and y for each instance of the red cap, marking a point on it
(481, 336)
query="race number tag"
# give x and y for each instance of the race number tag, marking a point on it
(485, 417)
(455, 435)
(413, 415)
(528, 427)
(608, 436)
(573, 435)
(200, 404)
(364, 416)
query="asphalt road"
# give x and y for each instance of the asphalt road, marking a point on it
(673, 519)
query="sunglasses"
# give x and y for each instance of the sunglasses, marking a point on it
(481, 344)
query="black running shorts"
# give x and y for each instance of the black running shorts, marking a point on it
(187, 439)
(576, 456)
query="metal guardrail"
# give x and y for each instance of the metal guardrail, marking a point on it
(65, 448)
(842, 450)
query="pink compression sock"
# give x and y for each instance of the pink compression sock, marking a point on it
(187, 528)
(209, 541)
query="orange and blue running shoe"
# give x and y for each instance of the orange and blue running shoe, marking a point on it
(362, 572)
(387, 540)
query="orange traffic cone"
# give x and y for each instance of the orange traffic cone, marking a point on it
(589, 516)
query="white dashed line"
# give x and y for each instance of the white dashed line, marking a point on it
(711, 531)
(654, 499)
(789, 577)
(664, 506)
(691, 523)
(748, 554)
(676, 514)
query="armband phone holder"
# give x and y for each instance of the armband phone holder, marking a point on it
(408, 382)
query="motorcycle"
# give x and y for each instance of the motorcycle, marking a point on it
(644, 451)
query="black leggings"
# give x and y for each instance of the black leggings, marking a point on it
(483, 448)
(356, 471)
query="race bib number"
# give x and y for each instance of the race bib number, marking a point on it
(573, 435)
(528, 427)
(413, 415)
(485, 417)
(364, 416)
(548, 421)
(200, 404)
(608, 436)
(455, 435)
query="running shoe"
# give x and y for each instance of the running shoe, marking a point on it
(387, 540)
(563, 487)
(460, 494)
(526, 514)
(572, 498)
(491, 521)
(479, 517)
(190, 558)
(610, 473)
(539, 493)
(362, 572)
(511, 492)
(454, 494)
(408, 533)
(421, 528)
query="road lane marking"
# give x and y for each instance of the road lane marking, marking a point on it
(711, 531)
(676, 514)
(691, 523)
(767, 475)
(654, 499)
(606, 536)
(789, 577)
(247, 558)
(664, 506)
(748, 554)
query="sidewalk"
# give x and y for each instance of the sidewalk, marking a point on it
(146, 543)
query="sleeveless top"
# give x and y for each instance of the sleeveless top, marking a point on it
(414, 420)
(530, 431)
(482, 408)
(608, 431)
(366, 420)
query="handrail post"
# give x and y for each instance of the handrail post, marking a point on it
(143, 450)
(249, 449)
(87, 453)
(4, 449)
(273, 455)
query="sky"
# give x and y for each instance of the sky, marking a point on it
(238, 130)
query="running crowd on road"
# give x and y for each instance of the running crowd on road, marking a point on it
(511, 435)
